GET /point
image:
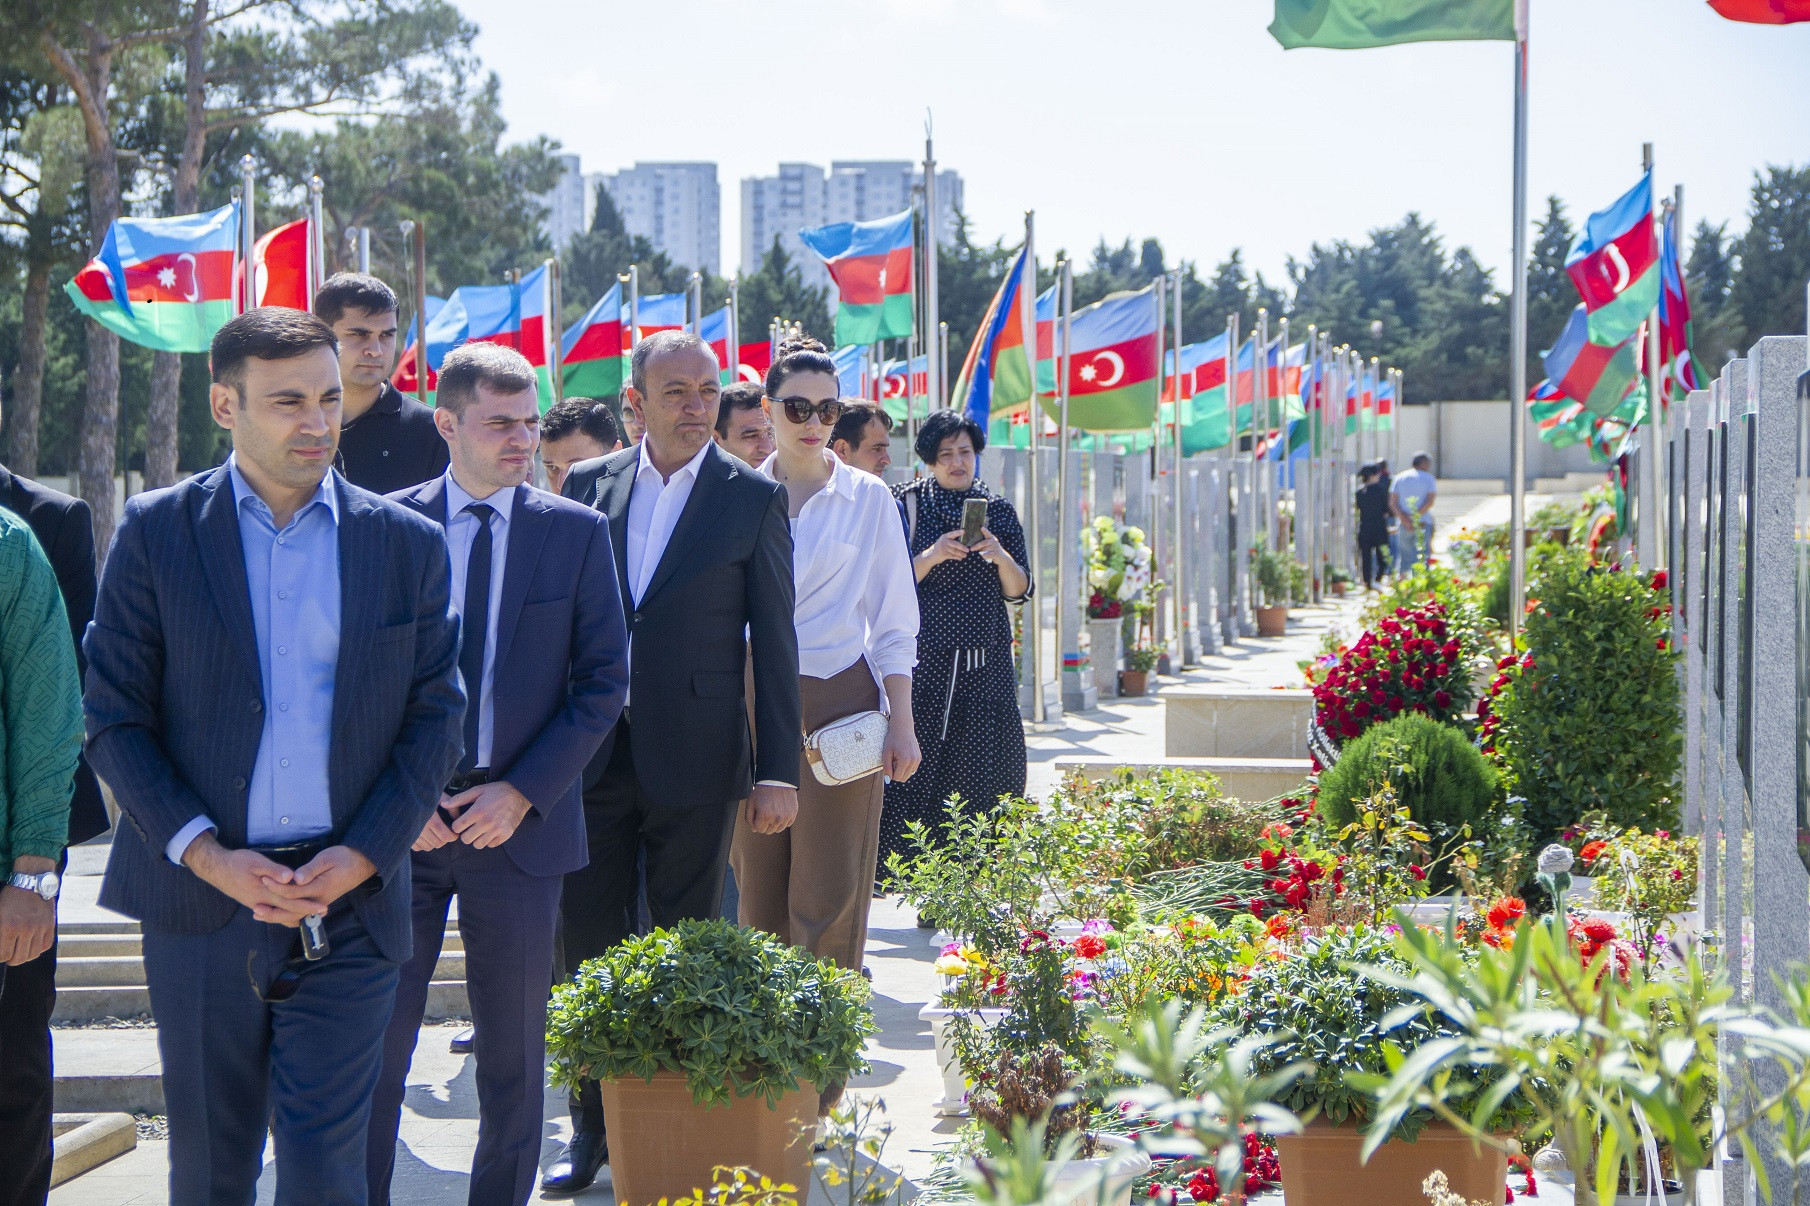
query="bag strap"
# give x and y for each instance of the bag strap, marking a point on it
(911, 518)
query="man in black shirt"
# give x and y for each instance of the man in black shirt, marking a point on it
(1373, 524)
(387, 442)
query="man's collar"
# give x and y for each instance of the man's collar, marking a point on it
(644, 464)
(389, 401)
(327, 492)
(458, 498)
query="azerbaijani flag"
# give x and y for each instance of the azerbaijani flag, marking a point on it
(514, 315)
(404, 376)
(1113, 367)
(1385, 403)
(997, 375)
(754, 361)
(904, 380)
(871, 265)
(1764, 12)
(590, 351)
(1674, 314)
(851, 370)
(1047, 304)
(713, 329)
(1206, 422)
(163, 283)
(659, 312)
(1595, 374)
(1615, 265)
(1361, 24)
(1244, 384)
(1351, 404)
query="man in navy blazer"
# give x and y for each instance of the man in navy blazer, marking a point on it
(272, 694)
(544, 659)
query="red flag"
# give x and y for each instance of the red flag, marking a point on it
(1764, 12)
(754, 359)
(281, 271)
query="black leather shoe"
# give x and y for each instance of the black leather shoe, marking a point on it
(573, 1170)
(461, 1042)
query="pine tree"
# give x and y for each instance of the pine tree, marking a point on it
(1551, 293)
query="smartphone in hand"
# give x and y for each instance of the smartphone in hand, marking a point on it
(974, 518)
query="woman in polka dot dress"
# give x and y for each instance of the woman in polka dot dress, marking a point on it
(964, 694)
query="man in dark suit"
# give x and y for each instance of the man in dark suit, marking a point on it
(387, 440)
(65, 529)
(704, 555)
(273, 695)
(543, 656)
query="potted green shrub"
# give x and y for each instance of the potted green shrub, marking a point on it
(712, 1044)
(1140, 660)
(1271, 570)
(1338, 580)
(1316, 1006)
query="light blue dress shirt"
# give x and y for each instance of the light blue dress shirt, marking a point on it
(293, 576)
(461, 530)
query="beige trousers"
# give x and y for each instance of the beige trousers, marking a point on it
(812, 884)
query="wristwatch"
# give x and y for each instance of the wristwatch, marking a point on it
(44, 883)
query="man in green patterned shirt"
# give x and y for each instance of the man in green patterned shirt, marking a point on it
(40, 737)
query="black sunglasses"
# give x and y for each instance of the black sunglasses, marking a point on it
(800, 410)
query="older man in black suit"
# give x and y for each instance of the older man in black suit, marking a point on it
(273, 696)
(704, 555)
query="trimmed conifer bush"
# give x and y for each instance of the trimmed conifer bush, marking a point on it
(1437, 774)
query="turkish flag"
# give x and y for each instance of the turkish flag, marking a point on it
(754, 359)
(280, 267)
(1764, 12)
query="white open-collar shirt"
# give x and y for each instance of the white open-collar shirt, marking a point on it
(856, 591)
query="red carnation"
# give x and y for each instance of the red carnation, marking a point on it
(1442, 699)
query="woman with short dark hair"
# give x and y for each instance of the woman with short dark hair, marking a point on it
(965, 690)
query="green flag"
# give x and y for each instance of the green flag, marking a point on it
(1361, 24)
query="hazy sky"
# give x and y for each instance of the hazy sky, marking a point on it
(1180, 119)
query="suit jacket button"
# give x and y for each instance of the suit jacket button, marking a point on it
(238, 785)
(257, 705)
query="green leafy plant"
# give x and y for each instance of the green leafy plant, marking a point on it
(1319, 1010)
(739, 1186)
(735, 1011)
(1590, 718)
(851, 1165)
(1648, 876)
(1278, 576)
(1172, 818)
(977, 874)
(1434, 771)
(1143, 658)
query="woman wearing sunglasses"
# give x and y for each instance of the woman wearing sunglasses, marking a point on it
(857, 620)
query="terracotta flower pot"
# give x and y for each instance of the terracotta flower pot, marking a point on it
(1338, 590)
(1134, 682)
(1272, 621)
(1320, 1167)
(663, 1145)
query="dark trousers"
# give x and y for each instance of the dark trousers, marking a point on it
(236, 1063)
(506, 919)
(1373, 556)
(686, 851)
(28, 993)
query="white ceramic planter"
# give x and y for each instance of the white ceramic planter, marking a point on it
(1118, 1165)
(954, 1101)
(1431, 910)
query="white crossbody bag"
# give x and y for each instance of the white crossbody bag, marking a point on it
(847, 749)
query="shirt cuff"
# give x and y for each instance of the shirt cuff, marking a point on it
(179, 844)
(775, 783)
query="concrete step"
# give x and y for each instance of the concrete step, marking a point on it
(128, 971)
(1234, 722)
(91, 946)
(1239, 778)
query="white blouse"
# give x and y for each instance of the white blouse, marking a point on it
(856, 591)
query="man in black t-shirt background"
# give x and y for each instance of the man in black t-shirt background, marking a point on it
(387, 441)
(1373, 506)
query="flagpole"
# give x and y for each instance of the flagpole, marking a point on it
(553, 331)
(1184, 631)
(735, 330)
(247, 231)
(1283, 474)
(416, 231)
(934, 367)
(1650, 532)
(1305, 527)
(364, 249)
(634, 305)
(1236, 602)
(934, 396)
(1064, 285)
(1028, 321)
(317, 239)
(1517, 343)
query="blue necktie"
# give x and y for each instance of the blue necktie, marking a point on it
(474, 628)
